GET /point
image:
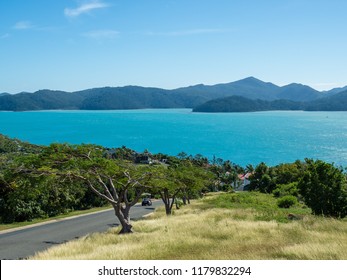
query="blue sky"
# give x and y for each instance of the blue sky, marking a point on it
(78, 44)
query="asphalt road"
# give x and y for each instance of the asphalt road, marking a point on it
(22, 243)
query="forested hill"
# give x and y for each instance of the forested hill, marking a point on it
(135, 97)
(337, 102)
(242, 104)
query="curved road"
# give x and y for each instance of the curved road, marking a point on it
(25, 242)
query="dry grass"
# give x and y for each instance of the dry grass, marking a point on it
(198, 232)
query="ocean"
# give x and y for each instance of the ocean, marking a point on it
(243, 138)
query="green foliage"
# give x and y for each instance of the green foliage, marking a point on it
(280, 180)
(286, 189)
(8, 145)
(287, 173)
(37, 181)
(18, 210)
(31, 187)
(186, 180)
(262, 179)
(324, 189)
(287, 201)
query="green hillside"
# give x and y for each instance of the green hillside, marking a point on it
(135, 97)
(337, 102)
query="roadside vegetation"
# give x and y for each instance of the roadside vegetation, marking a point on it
(245, 225)
(280, 203)
(7, 226)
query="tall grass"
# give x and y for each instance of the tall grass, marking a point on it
(226, 226)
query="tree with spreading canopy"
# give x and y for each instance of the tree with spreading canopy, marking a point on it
(184, 180)
(118, 182)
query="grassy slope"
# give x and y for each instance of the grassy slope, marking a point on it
(225, 226)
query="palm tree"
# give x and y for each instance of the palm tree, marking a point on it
(249, 168)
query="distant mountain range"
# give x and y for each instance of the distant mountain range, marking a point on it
(335, 90)
(135, 97)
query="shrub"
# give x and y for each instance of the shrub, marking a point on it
(286, 189)
(287, 201)
(324, 189)
(19, 211)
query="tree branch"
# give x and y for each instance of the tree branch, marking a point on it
(101, 194)
(113, 189)
(105, 187)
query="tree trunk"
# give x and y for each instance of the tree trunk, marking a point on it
(168, 209)
(122, 214)
(177, 204)
(126, 228)
(166, 199)
(184, 199)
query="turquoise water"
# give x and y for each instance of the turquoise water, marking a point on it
(243, 138)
